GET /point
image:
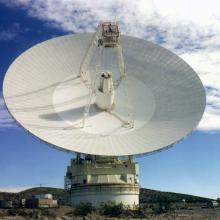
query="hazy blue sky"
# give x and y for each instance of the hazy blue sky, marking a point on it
(192, 166)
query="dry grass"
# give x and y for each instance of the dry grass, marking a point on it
(66, 213)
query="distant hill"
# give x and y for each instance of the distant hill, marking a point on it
(154, 196)
(56, 192)
(146, 195)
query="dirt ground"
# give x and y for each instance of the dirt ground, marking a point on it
(63, 213)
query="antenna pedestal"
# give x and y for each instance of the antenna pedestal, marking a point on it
(101, 179)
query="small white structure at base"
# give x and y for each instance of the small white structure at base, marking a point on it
(102, 180)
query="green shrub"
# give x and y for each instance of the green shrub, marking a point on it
(121, 211)
(164, 207)
(12, 212)
(112, 209)
(22, 213)
(83, 209)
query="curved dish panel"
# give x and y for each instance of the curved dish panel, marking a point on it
(162, 92)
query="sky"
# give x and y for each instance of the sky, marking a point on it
(191, 29)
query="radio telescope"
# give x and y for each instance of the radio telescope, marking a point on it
(103, 95)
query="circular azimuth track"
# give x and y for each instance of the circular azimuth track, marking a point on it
(161, 93)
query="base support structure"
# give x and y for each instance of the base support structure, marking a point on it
(101, 180)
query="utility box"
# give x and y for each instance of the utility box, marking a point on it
(6, 204)
(41, 201)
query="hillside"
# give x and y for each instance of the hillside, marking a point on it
(146, 195)
(15, 197)
(154, 196)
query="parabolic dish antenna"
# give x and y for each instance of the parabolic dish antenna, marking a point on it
(161, 97)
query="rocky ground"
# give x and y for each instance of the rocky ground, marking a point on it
(67, 213)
